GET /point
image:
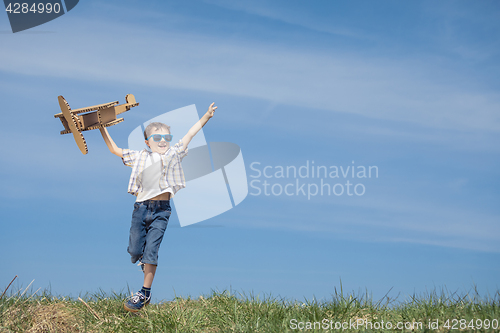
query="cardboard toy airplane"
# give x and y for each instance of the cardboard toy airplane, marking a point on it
(102, 115)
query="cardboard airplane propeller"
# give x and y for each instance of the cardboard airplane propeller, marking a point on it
(91, 117)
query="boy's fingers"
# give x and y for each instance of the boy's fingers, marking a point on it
(211, 108)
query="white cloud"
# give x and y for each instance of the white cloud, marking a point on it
(293, 15)
(389, 211)
(382, 88)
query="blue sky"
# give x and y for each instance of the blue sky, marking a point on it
(409, 87)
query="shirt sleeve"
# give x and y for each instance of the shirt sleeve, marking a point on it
(129, 156)
(180, 150)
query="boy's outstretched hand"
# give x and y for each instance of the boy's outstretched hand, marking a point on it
(192, 132)
(211, 110)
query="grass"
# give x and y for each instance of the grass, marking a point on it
(230, 312)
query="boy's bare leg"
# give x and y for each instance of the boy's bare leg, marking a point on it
(149, 274)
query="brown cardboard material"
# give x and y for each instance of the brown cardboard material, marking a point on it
(91, 117)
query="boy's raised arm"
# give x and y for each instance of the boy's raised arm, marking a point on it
(195, 129)
(110, 143)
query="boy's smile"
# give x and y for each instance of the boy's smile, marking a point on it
(161, 146)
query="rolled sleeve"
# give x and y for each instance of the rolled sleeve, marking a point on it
(180, 149)
(129, 156)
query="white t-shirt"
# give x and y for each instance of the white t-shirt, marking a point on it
(150, 176)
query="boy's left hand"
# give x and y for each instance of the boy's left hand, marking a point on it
(211, 110)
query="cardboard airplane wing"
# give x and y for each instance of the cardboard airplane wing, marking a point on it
(91, 117)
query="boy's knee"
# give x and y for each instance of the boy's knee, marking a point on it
(135, 257)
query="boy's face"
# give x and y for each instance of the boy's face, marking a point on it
(159, 147)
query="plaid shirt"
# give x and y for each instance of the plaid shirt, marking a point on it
(171, 176)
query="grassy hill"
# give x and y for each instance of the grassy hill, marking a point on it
(228, 312)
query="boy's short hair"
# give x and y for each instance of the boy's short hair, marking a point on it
(154, 127)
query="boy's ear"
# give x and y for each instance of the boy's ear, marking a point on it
(147, 143)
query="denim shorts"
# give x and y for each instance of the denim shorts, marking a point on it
(149, 222)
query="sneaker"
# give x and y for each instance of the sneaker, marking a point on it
(137, 302)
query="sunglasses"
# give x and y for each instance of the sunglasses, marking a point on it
(158, 137)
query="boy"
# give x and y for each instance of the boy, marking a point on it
(156, 177)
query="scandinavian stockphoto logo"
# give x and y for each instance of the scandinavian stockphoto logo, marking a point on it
(216, 179)
(28, 14)
(310, 180)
